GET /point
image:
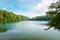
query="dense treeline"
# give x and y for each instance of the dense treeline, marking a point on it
(6, 16)
(42, 18)
(55, 21)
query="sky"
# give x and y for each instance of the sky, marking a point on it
(30, 8)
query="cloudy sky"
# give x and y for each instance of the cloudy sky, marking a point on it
(30, 8)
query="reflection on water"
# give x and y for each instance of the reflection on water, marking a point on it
(28, 30)
(3, 28)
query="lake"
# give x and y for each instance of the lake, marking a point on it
(28, 30)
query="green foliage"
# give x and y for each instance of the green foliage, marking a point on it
(52, 13)
(42, 18)
(55, 21)
(6, 16)
(55, 5)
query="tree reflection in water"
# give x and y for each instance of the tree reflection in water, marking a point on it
(3, 28)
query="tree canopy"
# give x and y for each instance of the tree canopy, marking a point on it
(42, 18)
(55, 21)
(6, 16)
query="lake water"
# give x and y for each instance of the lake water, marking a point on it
(28, 30)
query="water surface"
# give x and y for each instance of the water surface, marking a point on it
(28, 30)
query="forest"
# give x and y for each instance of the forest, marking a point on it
(42, 18)
(6, 16)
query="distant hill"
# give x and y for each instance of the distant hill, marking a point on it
(42, 18)
(6, 16)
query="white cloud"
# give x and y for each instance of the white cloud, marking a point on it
(29, 14)
(38, 10)
(42, 7)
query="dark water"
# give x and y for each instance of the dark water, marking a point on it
(28, 30)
